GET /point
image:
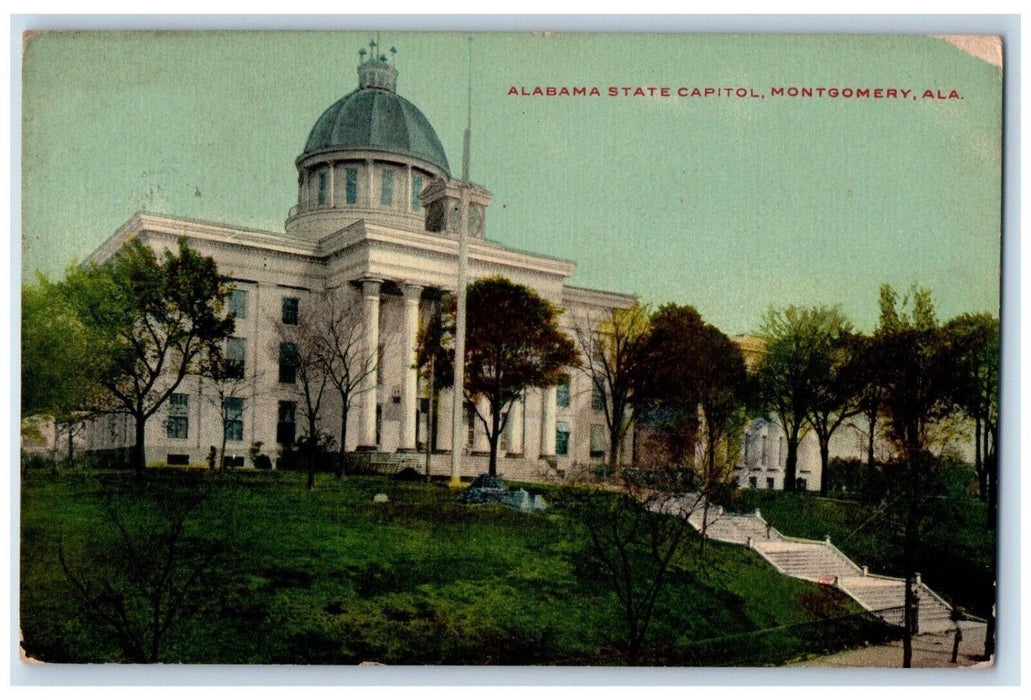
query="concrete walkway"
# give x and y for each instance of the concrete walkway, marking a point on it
(929, 651)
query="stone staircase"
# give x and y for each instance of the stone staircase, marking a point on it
(812, 560)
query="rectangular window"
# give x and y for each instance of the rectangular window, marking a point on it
(561, 438)
(470, 424)
(232, 408)
(286, 425)
(597, 398)
(763, 459)
(238, 303)
(597, 441)
(769, 483)
(287, 363)
(562, 391)
(351, 185)
(386, 192)
(322, 188)
(177, 460)
(235, 358)
(178, 425)
(753, 482)
(290, 308)
(416, 189)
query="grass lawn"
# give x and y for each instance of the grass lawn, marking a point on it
(956, 557)
(329, 576)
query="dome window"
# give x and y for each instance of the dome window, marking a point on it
(351, 185)
(386, 193)
(322, 188)
(416, 189)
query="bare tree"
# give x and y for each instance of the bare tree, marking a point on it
(630, 545)
(303, 364)
(228, 380)
(139, 583)
(610, 346)
(340, 328)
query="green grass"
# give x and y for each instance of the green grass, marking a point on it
(956, 556)
(330, 577)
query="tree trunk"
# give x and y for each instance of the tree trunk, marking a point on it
(71, 446)
(790, 469)
(979, 466)
(343, 437)
(870, 461)
(137, 456)
(614, 450)
(825, 448)
(495, 421)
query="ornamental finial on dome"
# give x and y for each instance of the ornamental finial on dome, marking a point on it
(374, 70)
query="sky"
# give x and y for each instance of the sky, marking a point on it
(732, 205)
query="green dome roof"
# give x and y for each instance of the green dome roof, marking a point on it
(378, 120)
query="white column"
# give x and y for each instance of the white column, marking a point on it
(332, 190)
(443, 420)
(368, 397)
(515, 427)
(409, 385)
(548, 410)
(480, 442)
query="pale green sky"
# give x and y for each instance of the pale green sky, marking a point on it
(729, 205)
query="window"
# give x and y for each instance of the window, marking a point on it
(780, 451)
(178, 425)
(769, 483)
(561, 438)
(286, 425)
(753, 482)
(800, 484)
(322, 187)
(416, 189)
(386, 193)
(238, 303)
(290, 305)
(503, 442)
(763, 459)
(177, 460)
(287, 363)
(351, 185)
(562, 391)
(235, 358)
(597, 398)
(470, 424)
(232, 410)
(597, 441)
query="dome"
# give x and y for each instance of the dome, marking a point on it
(375, 118)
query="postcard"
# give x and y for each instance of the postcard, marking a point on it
(725, 309)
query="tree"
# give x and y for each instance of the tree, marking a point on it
(705, 390)
(630, 546)
(136, 573)
(973, 348)
(304, 359)
(914, 373)
(56, 379)
(340, 328)
(611, 346)
(512, 343)
(228, 381)
(146, 324)
(795, 365)
(836, 392)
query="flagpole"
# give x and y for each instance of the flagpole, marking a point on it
(458, 390)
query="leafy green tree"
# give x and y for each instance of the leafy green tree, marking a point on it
(146, 323)
(694, 374)
(794, 375)
(973, 346)
(56, 379)
(611, 346)
(914, 371)
(512, 343)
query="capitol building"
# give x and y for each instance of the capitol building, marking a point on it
(376, 225)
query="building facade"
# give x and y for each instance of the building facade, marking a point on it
(376, 225)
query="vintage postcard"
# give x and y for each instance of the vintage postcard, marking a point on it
(725, 309)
